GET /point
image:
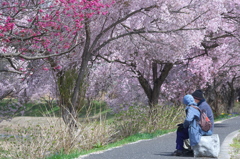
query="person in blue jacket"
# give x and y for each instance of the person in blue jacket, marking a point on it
(190, 129)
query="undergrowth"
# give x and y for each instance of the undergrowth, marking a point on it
(98, 129)
(235, 148)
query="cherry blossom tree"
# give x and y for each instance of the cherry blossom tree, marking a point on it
(37, 32)
(149, 38)
(174, 31)
(191, 65)
(223, 58)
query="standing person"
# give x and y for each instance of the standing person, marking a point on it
(203, 105)
(190, 129)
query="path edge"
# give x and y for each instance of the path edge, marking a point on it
(226, 149)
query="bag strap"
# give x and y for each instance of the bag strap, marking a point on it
(196, 108)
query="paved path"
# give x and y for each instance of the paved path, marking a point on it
(162, 147)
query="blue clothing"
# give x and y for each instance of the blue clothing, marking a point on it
(191, 120)
(189, 100)
(191, 129)
(182, 135)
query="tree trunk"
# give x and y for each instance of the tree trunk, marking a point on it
(231, 97)
(158, 83)
(66, 84)
(86, 56)
(213, 97)
(153, 93)
(72, 88)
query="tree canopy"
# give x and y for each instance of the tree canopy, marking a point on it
(124, 52)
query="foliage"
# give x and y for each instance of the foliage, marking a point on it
(64, 156)
(66, 84)
(53, 137)
(226, 116)
(47, 107)
(236, 147)
(40, 109)
(34, 108)
(33, 34)
(137, 119)
(130, 121)
(10, 108)
(95, 110)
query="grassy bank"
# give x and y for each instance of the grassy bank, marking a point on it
(134, 138)
(235, 154)
(99, 129)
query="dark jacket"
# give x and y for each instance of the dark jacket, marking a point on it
(204, 105)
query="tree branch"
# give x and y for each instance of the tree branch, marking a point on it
(35, 57)
(11, 71)
(140, 32)
(118, 22)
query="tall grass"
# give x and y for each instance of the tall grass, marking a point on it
(137, 119)
(95, 131)
(39, 141)
(49, 135)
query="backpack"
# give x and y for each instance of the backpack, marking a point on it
(204, 121)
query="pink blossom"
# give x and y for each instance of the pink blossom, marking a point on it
(58, 67)
(45, 68)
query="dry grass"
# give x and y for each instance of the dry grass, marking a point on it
(38, 137)
(137, 119)
(19, 122)
(41, 137)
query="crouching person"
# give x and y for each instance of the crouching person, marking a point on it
(190, 129)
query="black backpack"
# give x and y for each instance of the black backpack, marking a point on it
(204, 121)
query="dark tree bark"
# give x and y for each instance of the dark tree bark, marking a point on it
(154, 91)
(231, 97)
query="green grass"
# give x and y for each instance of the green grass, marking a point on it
(64, 156)
(236, 147)
(51, 108)
(3, 151)
(236, 143)
(4, 102)
(225, 116)
(95, 109)
(34, 109)
(39, 109)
